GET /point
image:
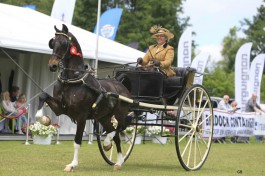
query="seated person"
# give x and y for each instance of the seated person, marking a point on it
(160, 54)
(20, 105)
(8, 107)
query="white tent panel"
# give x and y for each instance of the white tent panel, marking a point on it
(29, 30)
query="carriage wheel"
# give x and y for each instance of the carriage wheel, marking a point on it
(127, 143)
(194, 128)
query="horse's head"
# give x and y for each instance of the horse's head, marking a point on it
(65, 47)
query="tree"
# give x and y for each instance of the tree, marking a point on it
(231, 44)
(255, 31)
(218, 83)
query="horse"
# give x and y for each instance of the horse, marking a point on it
(80, 96)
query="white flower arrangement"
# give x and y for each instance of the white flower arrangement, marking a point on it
(129, 130)
(140, 130)
(156, 130)
(42, 130)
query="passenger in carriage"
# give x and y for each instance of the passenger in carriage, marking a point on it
(160, 54)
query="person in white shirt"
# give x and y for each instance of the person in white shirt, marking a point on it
(224, 104)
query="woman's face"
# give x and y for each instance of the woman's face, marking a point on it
(161, 39)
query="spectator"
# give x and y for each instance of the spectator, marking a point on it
(20, 105)
(253, 106)
(224, 104)
(234, 106)
(8, 107)
(234, 109)
(14, 93)
(161, 54)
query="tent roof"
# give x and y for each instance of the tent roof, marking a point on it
(28, 30)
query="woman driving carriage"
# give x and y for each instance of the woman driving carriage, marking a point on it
(161, 54)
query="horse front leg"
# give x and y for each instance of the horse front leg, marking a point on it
(53, 103)
(77, 145)
(120, 159)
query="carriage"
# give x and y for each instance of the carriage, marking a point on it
(124, 101)
(177, 103)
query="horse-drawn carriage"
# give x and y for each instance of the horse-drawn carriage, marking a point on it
(178, 104)
(122, 102)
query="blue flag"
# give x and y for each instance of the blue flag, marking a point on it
(109, 23)
(30, 6)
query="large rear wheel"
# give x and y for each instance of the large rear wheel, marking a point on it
(127, 143)
(194, 128)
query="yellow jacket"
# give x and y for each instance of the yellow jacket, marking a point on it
(164, 54)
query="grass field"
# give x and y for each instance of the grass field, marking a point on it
(146, 159)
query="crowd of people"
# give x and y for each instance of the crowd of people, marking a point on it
(14, 104)
(251, 106)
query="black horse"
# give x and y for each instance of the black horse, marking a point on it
(79, 95)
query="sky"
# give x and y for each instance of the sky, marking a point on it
(212, 19)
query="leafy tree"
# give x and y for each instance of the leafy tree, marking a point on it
(255, 31)
(218, 83)
(44, 6)
(231, 44)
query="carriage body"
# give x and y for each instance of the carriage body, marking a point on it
(154, 86)
(177, 104)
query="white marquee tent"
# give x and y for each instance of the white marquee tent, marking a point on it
(25, 34)
(29, 30)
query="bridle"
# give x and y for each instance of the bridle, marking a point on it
(68, 45)
(70, 48)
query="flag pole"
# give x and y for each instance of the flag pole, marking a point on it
(90, 123)
(97, 33)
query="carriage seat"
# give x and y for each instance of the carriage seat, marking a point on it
(184, 78)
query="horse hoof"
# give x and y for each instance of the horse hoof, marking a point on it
(69, 168)
(107, 148)
(116, 168)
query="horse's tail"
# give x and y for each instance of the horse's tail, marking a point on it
(125, 81)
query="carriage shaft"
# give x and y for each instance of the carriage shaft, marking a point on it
(152, 106)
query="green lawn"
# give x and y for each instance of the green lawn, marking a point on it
(146, 159)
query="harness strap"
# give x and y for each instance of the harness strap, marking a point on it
(73, 81)
(60, 33)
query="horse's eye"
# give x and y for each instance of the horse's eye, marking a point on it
(65, 43)
(51, 43)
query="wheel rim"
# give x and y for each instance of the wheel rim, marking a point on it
(127, 143)
(194, 128)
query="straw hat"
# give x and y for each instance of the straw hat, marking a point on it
(158, 30)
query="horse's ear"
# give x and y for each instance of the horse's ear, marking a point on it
(57, 30)
(65, 29)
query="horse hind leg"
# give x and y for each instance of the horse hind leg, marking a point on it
(120, 159)
(107, 141)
